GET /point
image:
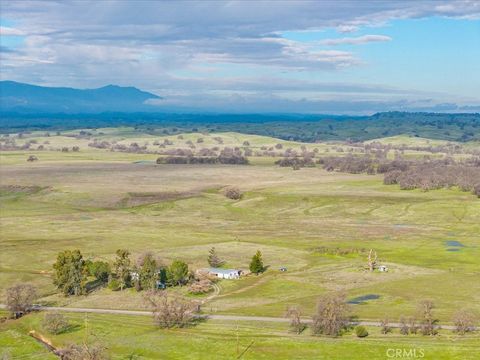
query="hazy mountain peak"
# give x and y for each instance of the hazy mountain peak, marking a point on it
(21, 97)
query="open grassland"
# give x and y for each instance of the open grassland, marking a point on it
(98, 201)
(136, 338)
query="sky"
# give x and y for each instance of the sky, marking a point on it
(336, 57)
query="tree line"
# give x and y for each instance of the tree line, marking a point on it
(333, 317)
(425, 174)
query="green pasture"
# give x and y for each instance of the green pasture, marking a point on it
(99, 201)
(129, 337)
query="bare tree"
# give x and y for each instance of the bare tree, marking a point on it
(403, 326)
(20, 299)
(427, 325)
(464, 321)
(170, 310)
(296, 324)
(331, 315)
(372, 260)
(55, 323)
(84, 352)
(385, 326)
(413, 327)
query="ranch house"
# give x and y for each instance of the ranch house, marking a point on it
(225, 273)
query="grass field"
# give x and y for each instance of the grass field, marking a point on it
(98, 201)
(137, 338)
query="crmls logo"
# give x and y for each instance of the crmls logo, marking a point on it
(405, 353)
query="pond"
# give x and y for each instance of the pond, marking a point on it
(454, 243)
(362, 299)
(144, 162)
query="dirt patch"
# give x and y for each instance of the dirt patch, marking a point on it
(144, 198)
(345, 277)
(19, 189)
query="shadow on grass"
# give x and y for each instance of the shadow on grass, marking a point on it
(70, 329)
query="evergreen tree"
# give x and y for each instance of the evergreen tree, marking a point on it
(122, 268)
(70, 272)
(256, 265)
(213, 259)
(149, 273)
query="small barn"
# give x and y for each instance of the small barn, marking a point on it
(383, 268)
(225, 273)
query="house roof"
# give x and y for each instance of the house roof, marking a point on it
(223, 271)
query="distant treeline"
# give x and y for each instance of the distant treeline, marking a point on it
(423, 174)
(227, 156)
(307, 128)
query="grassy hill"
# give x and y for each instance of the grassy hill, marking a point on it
(305, 128)
(98, 200)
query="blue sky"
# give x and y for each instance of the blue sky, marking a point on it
(343, 57)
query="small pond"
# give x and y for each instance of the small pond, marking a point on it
(362, 299)
(454, 243)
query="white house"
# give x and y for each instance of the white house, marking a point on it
(225, 273)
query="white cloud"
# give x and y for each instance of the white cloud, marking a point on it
(8, 31)
(90, 43)
(356, 40)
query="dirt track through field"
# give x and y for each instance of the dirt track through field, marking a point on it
(213, 317)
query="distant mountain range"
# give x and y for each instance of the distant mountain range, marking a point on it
(26, 98)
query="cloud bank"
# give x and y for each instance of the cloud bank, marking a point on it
(208, 50)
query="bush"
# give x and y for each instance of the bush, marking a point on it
(99, 269)
(233, 193)
(55, 323)
(203, 286)
(361, 331)
(476, 190)
(113, 284)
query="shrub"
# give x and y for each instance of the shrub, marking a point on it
(233, 193)
(113, 284)
(99, 269)
(200, 287)
(476, 190)
(55, 323)
(361, 331)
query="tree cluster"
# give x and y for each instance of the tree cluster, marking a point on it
(73, 274)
